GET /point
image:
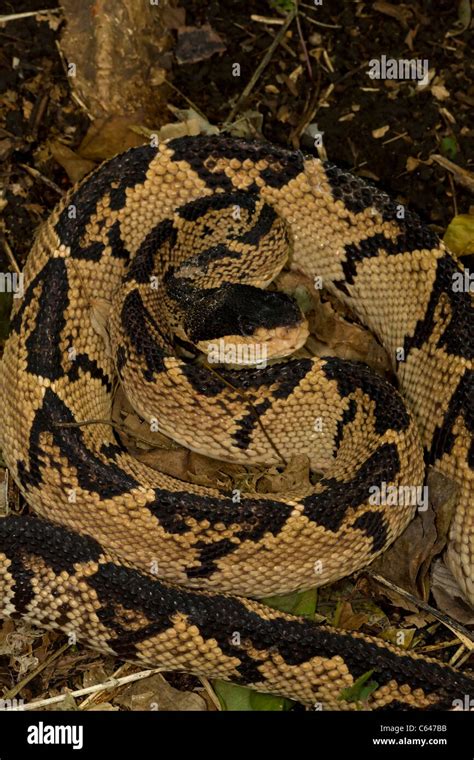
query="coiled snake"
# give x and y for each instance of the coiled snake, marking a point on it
(179, 238)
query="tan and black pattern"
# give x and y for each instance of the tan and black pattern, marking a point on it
(179, 240)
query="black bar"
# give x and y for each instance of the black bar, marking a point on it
(154, 734)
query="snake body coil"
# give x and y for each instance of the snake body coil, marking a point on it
(140, 564)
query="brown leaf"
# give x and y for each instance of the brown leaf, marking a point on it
(75, 166)
(412, 163)
(100, 310)
(347, 340)
(407, 562)
(448, 595)
(155, 693)
(197, 43)
(350, 620)
(294, 476)
(380, 131)
(110, 135)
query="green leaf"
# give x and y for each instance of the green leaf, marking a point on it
(459, 237)
(360, 690)
(449, 147)
(285, 6)
(299, 603)
(240, 699)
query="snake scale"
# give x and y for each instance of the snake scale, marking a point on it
(180, 241)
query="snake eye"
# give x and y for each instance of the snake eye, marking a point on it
(247, 326)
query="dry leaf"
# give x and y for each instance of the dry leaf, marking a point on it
(332, 335)
(350, 620)
(109, 136)
(448, 595)
(248, 124)
(155, 693)
(380, 132)
(412, 163)
(75, 166)
(407, 562)
(94, 675)
(402, 637)
(68, 704)
(173, 18)
(100, 310)
(294, 476)
(197, 43)
(190, 124)
(440, 92)
(461, 176)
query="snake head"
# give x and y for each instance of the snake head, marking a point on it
(241, 320)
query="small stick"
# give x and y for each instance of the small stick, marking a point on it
(112, 683)
(262, 65)
(37, 175)
(460, 175)
(10, 256)
(266, 20)
(92, 698)
(464, 635)
(305, 49)
(188, 101)
(211, 693)
(317, 23)
(19, 686)
(453, 190)
(27, 14)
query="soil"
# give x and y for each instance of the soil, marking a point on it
(340, 39)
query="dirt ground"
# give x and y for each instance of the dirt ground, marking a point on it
(334, 41)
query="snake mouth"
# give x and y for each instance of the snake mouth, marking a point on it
(237, 350)
(282, 341)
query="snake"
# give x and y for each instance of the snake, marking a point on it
(177, 244)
